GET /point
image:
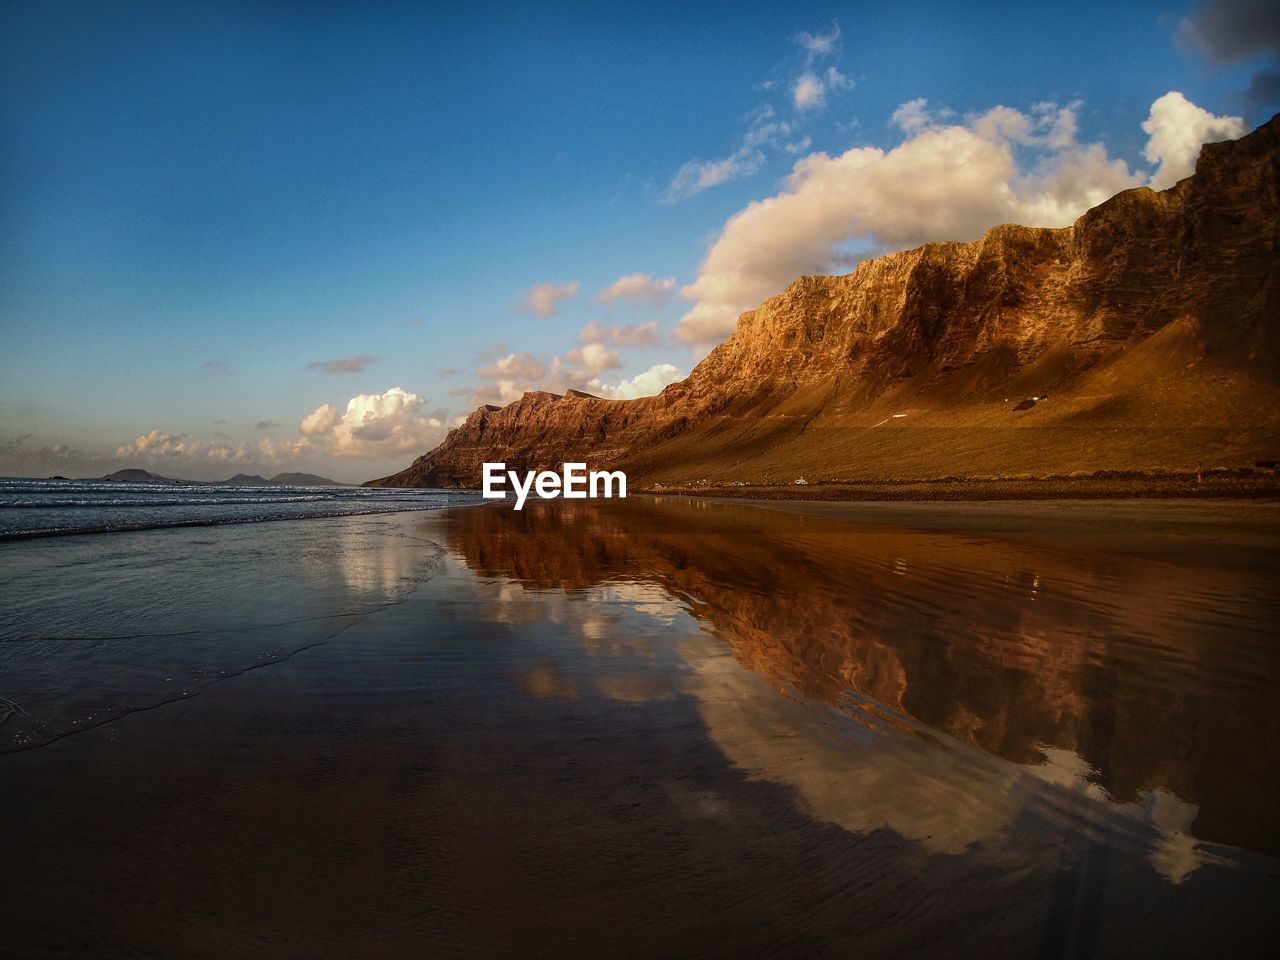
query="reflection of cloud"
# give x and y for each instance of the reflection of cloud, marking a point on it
(546, 682)
(378, 565)
(949, 688)
(944, 795)
(636, 687)
(647, 598)
(1176, 854)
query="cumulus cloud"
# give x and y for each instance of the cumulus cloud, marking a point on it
(646, 384)
(155, 443)
(625, 334)
(514, 366)
(594, 358)
(544, 299)
(509, 377)
(638, 286)
(947, 180)
(915, 115)
(1176, 130)
(319, 421)
(160, 447)
(373, 425)
(343, 364)
(811, 89)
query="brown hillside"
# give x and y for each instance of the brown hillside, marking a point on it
(1152, 326)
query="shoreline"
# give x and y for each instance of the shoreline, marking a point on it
(1126, 486)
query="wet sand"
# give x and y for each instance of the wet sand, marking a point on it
(655, 727)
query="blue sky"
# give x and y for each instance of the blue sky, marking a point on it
(202, 201)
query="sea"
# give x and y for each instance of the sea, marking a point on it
(46, 508)
(659, 726)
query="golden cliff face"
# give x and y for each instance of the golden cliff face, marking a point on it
(1152, 323)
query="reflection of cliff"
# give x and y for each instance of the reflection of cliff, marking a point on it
(1013, 647)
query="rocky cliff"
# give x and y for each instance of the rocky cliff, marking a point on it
(1144, 336)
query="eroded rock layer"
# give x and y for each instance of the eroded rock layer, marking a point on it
(1145, 336)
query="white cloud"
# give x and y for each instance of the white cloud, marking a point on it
(944, 181)
(808, 92)
(811, 89)
(373, 425)
(638, 286)
(625, 334)
(1177, 128)
(544, 299)
(581, 369)
(514, 366)
(820, 44)
(594, 358)
(510, 377)
(695, 176)
(156, 444)
(319, 421)
(646, 384)
(915, 115)
(158, 447)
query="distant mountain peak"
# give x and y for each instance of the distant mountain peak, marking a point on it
(303, 480)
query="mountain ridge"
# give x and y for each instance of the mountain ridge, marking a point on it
(137, 475)
(1144, 336)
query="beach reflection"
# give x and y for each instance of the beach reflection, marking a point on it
(990, 693)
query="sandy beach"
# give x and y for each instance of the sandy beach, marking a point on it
(652, 727)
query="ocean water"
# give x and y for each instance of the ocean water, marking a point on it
(653, 727)
(43, 508)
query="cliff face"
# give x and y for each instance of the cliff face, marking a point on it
(1152, 324)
